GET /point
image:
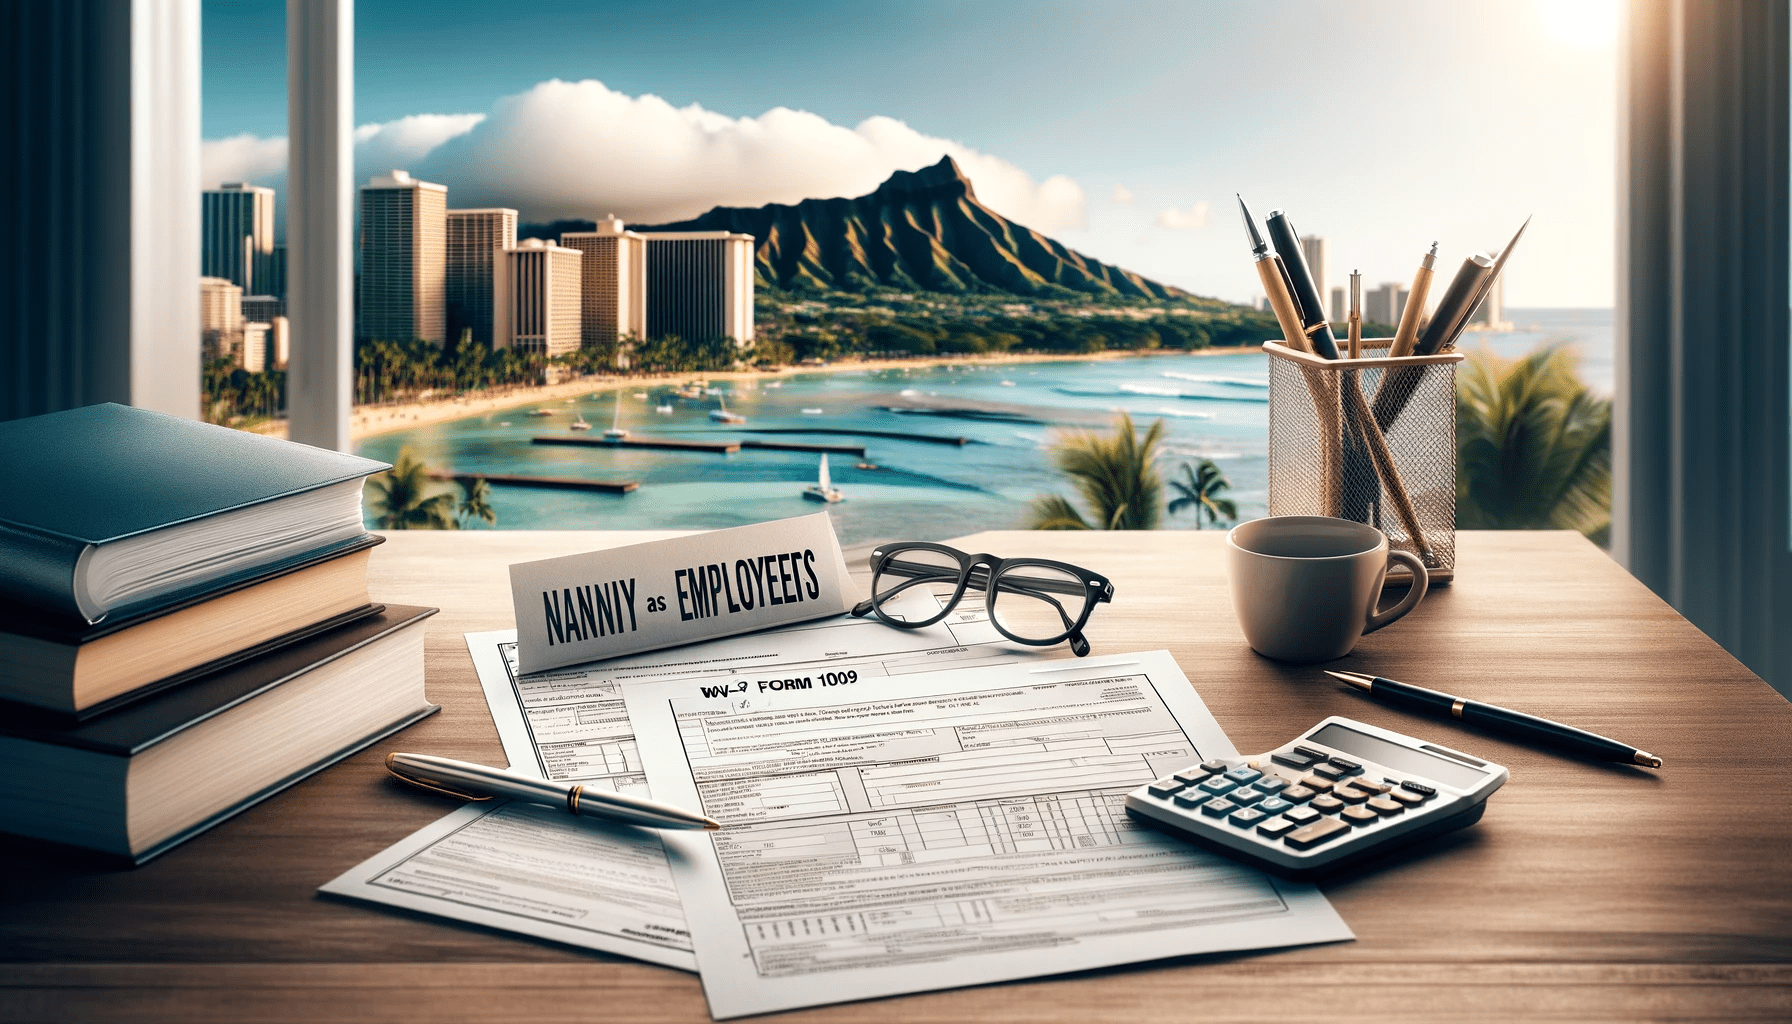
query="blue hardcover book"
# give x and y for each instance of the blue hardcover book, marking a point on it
(111, 509)
(148, 777)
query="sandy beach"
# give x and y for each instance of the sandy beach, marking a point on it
(371, 420)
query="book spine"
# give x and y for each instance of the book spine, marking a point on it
(39, 569)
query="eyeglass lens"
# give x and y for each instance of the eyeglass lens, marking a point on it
(916, 569)
(1039, 602)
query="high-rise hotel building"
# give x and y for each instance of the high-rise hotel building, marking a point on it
(614, 272)
(536, 290)
(236, 224)
(404, 260)
(700, 286)
(475, 237)
(220, 318)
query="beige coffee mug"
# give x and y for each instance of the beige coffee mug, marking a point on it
(1305, 587)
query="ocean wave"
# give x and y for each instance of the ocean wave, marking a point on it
(1181, 414)
(1206, 378)
(1150, 389)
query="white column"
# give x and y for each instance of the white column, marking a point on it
(320, 100)
(165, 206)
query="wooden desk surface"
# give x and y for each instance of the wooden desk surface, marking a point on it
(1588, 892)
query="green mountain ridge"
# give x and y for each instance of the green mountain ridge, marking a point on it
(919, 231)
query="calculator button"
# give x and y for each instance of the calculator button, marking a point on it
(1244, 775)
(1274, 805)
(1316, 783)
(1163, 788)
(1214, 767)
(1370, 787)
(1190, 798)
(1276, 827)
(1346, 765)
(1247, 817)
(1383, 806)
(1271, 783)
(1359, 815)
(1308, 836)
(1329, 771)
(1246, 795)
(1298, 794)
(1218, 807)
(1217, 786)
(1190, 776)
(1350, 794)
(1419, 788)
(1326, 803)
(1408, 797)
(1297, 759)
(1317, 755)
(1302, 815)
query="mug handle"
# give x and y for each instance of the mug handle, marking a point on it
(1421, 581)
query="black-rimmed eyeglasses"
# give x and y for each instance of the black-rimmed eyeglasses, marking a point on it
(1033, 601)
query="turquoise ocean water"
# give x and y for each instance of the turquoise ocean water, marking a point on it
(1213, 406)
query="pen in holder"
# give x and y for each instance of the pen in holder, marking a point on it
(1330, 455)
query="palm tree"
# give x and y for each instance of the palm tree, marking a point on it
(1533, 446)
(476, 501)
(401, 497)
(1113, 474)
(1199, 489)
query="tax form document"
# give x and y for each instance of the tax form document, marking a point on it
(910, 833)
(538, 871)
(604, 885)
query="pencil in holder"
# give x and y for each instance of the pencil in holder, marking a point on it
(1371, 440)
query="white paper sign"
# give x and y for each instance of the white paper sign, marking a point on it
(602, 604)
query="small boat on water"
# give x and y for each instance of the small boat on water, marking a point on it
(503, 423)
(541, 412)
(812, 412)
(1007, 383)
(722, 415)
(641, 395)
(823, 489)
(616, 433)
(579, 424)
(663, 410)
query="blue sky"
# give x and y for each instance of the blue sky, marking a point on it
(1123, 129)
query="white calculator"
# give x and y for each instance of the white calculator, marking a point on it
(1344, 791)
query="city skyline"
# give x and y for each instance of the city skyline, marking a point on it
(1501, 114)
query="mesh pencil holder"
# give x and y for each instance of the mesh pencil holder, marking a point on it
(1372, 440)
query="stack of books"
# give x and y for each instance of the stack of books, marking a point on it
(185, 626)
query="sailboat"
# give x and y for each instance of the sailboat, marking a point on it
(579, 424)
(616, 433)
(722, 415)
(823, 489)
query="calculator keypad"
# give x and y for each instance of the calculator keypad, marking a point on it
(1300, 799)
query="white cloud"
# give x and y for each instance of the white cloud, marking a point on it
(580, 149)
(241, 158)
(400, 143)
(1122, 194)
(1184, 220)
(378, 148)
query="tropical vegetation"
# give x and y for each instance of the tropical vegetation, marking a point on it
(406, 497)
(1533, 446)
(1199, 487)
(1115, 475)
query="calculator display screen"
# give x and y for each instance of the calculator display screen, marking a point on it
(1398, 757)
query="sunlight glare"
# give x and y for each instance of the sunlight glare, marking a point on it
(1584, 23)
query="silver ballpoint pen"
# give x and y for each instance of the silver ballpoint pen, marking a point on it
(479, 782)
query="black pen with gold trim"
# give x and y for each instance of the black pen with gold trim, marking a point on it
(470, 781)
(1498, 719)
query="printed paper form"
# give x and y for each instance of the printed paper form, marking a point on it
(602, 885)
(897, 835)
